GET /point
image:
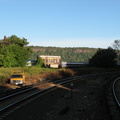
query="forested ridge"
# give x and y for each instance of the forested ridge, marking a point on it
(68, 54)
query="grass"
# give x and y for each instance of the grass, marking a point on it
(27, 70)
(36, 74)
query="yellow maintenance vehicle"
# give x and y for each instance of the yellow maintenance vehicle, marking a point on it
(17, 78)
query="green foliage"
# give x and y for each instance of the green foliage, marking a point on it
(13, 53)
(15, 40)
(67, 54)
(40, 62)
(104, 58)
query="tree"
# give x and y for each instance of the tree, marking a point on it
(40, 62)
(104, 58)
(14, 52)
(116, 44)
(16, 40)
(8, 57)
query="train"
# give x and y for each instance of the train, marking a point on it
(73, 64)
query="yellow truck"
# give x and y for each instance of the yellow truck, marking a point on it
(17, 78)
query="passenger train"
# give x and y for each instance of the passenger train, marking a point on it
(73, 64)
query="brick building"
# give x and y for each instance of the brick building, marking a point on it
(51, 61)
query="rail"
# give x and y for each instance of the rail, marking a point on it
(114, 93)
(62, 81)
(34, 90)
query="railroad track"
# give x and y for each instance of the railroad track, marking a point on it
(116, 91)
(113, 98)
(9, 102)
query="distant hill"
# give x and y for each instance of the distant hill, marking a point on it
(68, 54)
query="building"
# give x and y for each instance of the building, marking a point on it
(51, 61)
(31, 62)
(28, 63)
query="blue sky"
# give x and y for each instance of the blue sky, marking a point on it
(62, 23)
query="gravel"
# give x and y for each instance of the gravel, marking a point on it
(87, 103)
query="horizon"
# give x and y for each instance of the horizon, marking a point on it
(36, 45)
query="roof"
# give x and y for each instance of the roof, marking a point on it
(48, 56)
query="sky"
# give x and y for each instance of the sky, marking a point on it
(62, 23)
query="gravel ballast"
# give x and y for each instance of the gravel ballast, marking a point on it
(88, 102)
